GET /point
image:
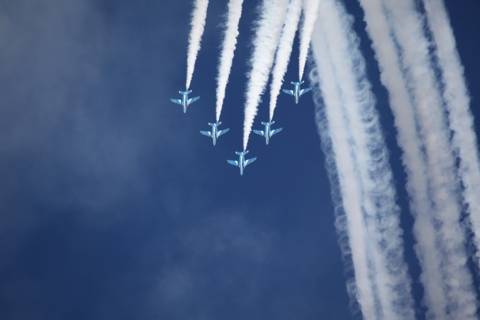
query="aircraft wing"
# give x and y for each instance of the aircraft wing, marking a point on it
(233, 162)
(247, 162)
(259, 132)
(221, 132)
(206, 133)
(275, 131)
(176, 101)
(290, 92)
(305, 90)
(192, 100)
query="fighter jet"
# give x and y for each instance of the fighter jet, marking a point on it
(185, 102)
(215, 132)
(297, 92)
(241, 163)
(268, 133)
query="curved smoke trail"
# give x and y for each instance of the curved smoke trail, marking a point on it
(366, 183)
(264, 46)
(310, 14)
(199, 16)
(457, 102)
(284, 50)
(228, 50)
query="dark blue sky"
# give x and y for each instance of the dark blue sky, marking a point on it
(114, 206)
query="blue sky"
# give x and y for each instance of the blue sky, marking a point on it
(114, 206)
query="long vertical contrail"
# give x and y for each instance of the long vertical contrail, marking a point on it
(415, 167)
(353, 239)
(457, 102)
(443, 181)
(284, 50)
(228, 50)
(310, 14)
(199, 16)
(272, 13)
(408, 76)
(365, 178)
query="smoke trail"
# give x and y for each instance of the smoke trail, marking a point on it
(228, 49)
(265, 43)
(440, 249)
(443, 181)
(347, 212)
(367, 191)
(199, 16)
(310, 14)
(457, 101)
(284, 50)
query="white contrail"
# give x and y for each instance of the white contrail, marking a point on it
(199, 16)
(265, 43)
(457, 101)
(443, 181)
(284, 50)
(431, 176)
(349, 190)
(415, 167)
(310, 14)
(365, 178)
(228, 49)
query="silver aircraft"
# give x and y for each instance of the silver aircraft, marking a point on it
(242, 162)
(215, 133)
(268, 133)
(297, 92)
(185, 102)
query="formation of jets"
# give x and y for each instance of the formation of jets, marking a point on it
(267, 133)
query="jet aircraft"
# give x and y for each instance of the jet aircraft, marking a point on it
(215, 133)
(268, 133)
(297, 92)
(241, 163)
(185, 102)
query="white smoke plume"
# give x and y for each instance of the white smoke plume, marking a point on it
(443, 181)
(269, 25)
(310, 14)
(414, 99)
(199, 16)
(228, 50)
(365, 179)
(457, 102)
(284, 50)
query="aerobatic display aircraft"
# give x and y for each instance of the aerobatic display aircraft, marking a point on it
(185, 102)
(268, 133)
(241, 163)
(297, 92)
(215, 133)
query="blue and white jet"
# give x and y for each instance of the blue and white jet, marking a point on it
(185, 102)
(268, 133)
(297, 92)
(215, 133)
(241, 163)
